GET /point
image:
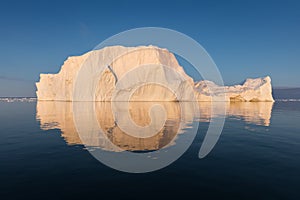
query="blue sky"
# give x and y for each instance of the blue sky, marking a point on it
(245, 38)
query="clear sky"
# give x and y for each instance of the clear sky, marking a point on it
(245, 38)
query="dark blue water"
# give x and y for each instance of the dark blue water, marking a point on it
(256, 157)
(286, 93)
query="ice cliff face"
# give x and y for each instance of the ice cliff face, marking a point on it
(109, 67)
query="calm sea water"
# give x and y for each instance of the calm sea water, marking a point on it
(257, 156)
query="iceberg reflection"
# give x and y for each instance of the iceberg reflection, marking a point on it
(60, 115)
(257, 113)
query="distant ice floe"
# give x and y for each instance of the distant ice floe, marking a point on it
(288, 100)
(18, 99)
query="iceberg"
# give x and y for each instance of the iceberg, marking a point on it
(111, 74)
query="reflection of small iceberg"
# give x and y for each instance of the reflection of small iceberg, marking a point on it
(258, 113)
(60, 115)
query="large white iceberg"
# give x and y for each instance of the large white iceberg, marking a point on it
(94, 76)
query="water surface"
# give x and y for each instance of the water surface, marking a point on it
(256, 156)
